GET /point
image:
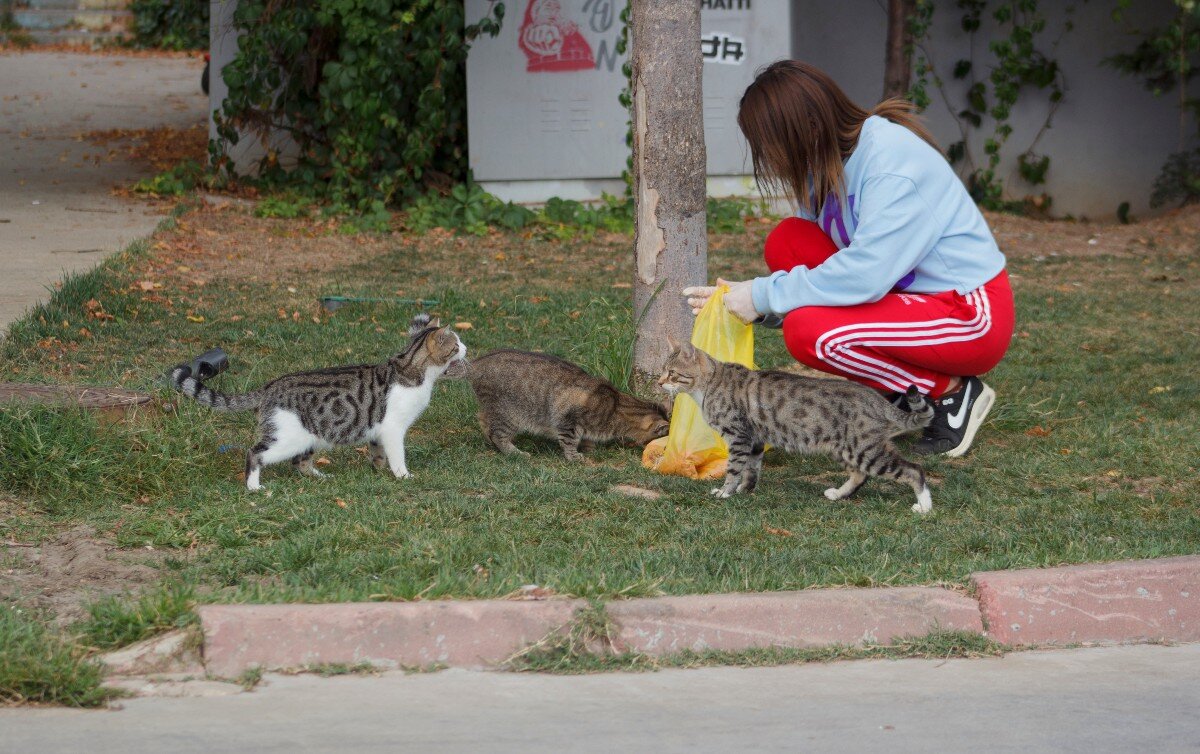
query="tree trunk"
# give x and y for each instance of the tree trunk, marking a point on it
(897, 69)
(671, 241)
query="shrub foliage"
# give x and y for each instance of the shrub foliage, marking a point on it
(170, 24)
(373, 92)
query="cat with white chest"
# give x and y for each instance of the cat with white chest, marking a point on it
(302, 413)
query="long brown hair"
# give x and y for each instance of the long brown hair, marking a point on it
(800, 126)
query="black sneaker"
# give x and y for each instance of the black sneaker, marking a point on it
(956, 419)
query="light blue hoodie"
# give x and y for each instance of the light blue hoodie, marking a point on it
(907, 223)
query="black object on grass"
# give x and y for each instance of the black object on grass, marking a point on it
(208, 364)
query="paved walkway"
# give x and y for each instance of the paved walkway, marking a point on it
(1115, 699)
(56, 210)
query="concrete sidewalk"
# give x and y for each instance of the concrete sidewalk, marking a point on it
(57, 212)
(1111, 699)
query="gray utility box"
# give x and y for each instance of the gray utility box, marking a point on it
(544, 118)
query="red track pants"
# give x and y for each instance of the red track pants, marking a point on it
(903, 339)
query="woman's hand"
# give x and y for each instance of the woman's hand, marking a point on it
(739, 300)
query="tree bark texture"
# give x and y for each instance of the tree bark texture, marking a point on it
(671, 241)
(897, 70)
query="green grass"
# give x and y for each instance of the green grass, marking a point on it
(1082, 460)
(37, 666)
(116, 622)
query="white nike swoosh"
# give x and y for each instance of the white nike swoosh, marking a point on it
(956, 420)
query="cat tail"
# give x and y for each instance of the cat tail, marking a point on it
(920, 410)
(419, 324)
(183, 381)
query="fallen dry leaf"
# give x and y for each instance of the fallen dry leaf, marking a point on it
(195, 318)
(1038, 431)
(95, 310)
(340, 502)
(463, 326)
(777, 532)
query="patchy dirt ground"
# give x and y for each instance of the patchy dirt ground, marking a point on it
(223, 240)
(1176, 231)
(161, 148)
(63, 574)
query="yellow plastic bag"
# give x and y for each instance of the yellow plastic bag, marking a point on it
(694, 449)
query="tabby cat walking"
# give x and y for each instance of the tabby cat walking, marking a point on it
(301, 413)
(519, 391)
(850, 422)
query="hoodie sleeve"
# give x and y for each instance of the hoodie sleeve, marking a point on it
(896, 229)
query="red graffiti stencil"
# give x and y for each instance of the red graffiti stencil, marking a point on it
(551, 41)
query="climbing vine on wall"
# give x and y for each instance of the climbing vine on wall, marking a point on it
(1167, 58)
(372, 92)
(1023, 63)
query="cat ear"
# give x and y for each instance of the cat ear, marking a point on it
(672, 343)
(436, 322)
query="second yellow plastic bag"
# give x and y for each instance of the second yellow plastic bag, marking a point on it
(693, 449)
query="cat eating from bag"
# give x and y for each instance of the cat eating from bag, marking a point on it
(847, 421)
(534, 393)
(301, 413)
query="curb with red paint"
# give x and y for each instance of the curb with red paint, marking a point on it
(1145, 600)
(1136, 600)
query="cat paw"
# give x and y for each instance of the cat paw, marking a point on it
(720, 492)
(402, 474)
(833, 493)
(922, 508)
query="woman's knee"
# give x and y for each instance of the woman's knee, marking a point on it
(795, 241)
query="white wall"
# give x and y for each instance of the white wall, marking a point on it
(223, 48)
(1109, 138)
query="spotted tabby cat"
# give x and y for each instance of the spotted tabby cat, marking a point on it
(543, 395)
(847, 421)
(301, 413)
